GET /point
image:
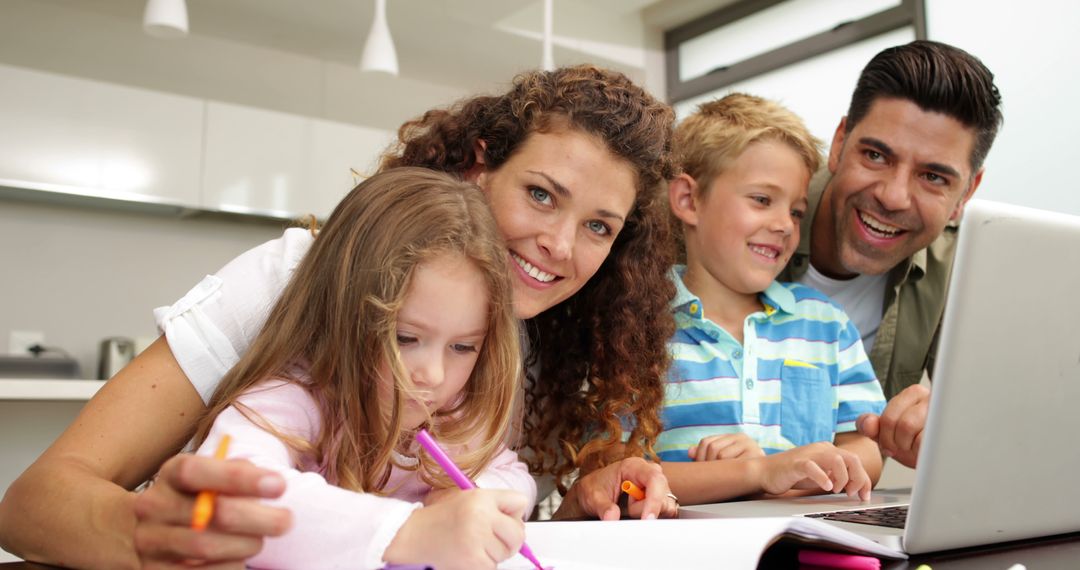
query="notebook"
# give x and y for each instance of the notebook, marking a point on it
(675, 543)
(999, 458)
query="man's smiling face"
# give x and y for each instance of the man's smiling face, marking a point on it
(898, 178)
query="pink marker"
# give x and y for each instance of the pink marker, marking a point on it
(837, 560)
(460, 479)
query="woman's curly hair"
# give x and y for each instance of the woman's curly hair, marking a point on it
(600, 355)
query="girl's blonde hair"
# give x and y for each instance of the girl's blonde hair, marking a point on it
(337, 318)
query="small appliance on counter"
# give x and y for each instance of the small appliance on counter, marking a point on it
(32, 367)
(116, 353)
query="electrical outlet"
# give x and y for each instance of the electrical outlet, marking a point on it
(19, 342)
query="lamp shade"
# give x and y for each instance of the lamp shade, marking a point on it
(379, 54)
(547, 58)
(166, 18)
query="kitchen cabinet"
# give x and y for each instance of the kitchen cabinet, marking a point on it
(341, 156)
(98, 139)
(259, 161)
(255, 160)
(68, 136)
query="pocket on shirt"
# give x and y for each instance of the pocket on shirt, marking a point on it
(806, 404)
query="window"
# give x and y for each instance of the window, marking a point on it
(752, 38)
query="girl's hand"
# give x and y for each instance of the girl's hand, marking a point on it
(816, 466)
(438, 495)
(474, 529)
(163, 534)
(726, 446)
(597, 493)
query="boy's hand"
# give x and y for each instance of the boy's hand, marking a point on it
(819, 465)
(726, 446)
(485, 528)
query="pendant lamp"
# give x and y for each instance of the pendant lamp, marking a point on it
(547, 59)
(166, 19)
(379, 54)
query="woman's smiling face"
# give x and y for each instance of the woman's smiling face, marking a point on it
(559, 201)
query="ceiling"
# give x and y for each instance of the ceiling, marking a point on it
(463, 43)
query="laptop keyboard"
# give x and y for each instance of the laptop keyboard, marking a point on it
(894, 517)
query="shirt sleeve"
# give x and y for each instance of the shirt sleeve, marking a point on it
(216, 321)
(858, 389)
(332, 527)
(507, 472)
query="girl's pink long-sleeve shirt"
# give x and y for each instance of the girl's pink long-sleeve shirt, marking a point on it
(332, 527)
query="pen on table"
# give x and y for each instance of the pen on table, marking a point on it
(204, 502)
(633, 490)
(460, 479)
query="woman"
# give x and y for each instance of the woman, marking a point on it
(570, 161)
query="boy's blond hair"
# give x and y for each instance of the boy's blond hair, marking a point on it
(707, 142)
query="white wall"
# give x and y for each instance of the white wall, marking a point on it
(1032, 48)
(79, 275)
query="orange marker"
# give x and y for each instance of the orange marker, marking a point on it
(631, 489)
(204, 502)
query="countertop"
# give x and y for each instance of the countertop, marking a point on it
(46, 389)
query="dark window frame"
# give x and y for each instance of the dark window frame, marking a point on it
(907, 13)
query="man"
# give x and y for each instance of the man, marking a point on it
(881, 231)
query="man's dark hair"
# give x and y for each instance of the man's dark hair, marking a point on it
(939, 78)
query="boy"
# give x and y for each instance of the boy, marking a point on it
(767, 378)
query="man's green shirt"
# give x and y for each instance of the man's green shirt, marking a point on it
(914, 301)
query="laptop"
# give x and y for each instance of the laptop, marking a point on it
(999, 459)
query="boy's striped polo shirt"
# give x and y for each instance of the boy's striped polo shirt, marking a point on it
(800, 376)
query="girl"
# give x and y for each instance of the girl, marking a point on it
(398, 317)
(570, 162)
